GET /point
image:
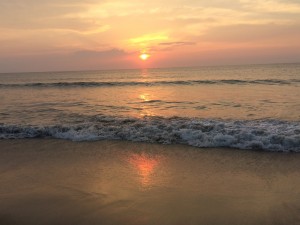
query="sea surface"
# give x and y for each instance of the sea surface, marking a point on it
(244, 107)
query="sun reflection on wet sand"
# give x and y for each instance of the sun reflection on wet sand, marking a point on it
(145, 166)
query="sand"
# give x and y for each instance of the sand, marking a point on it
(117, 182)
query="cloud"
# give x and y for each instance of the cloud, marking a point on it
(148, 38)
(177, 43)
(274, 6)
(99, 54)
(79, 60)
(33, 14)
(169, 46)
(254, 33)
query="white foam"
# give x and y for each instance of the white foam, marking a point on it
(270, 135)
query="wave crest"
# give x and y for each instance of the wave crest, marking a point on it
(269, 135)
(154, 83)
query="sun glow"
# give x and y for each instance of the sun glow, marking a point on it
(144, 56)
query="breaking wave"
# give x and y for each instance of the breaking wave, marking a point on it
(154, 83)
(269, 135)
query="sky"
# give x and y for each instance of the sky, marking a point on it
(57, 35)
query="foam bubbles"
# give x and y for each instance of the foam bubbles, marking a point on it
(269, 135)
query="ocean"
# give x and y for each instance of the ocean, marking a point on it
(244, 107)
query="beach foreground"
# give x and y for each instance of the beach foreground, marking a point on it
(49, 181)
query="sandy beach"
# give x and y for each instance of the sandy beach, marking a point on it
(48, 181)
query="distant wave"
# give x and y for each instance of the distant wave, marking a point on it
(154, 83)
(268, 135)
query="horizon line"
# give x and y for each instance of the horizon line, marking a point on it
(150, 68)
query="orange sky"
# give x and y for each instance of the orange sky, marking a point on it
(40, 35)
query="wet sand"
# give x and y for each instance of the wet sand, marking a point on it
(116, 182)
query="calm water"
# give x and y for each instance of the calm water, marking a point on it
(246, 107)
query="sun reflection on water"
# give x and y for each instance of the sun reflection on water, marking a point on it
(144, 73)
(145, 97)
(147, 109)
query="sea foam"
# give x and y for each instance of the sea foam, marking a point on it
(269, 135)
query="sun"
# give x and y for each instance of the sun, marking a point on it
(144, 56)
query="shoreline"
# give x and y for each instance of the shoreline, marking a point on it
(54, 181)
